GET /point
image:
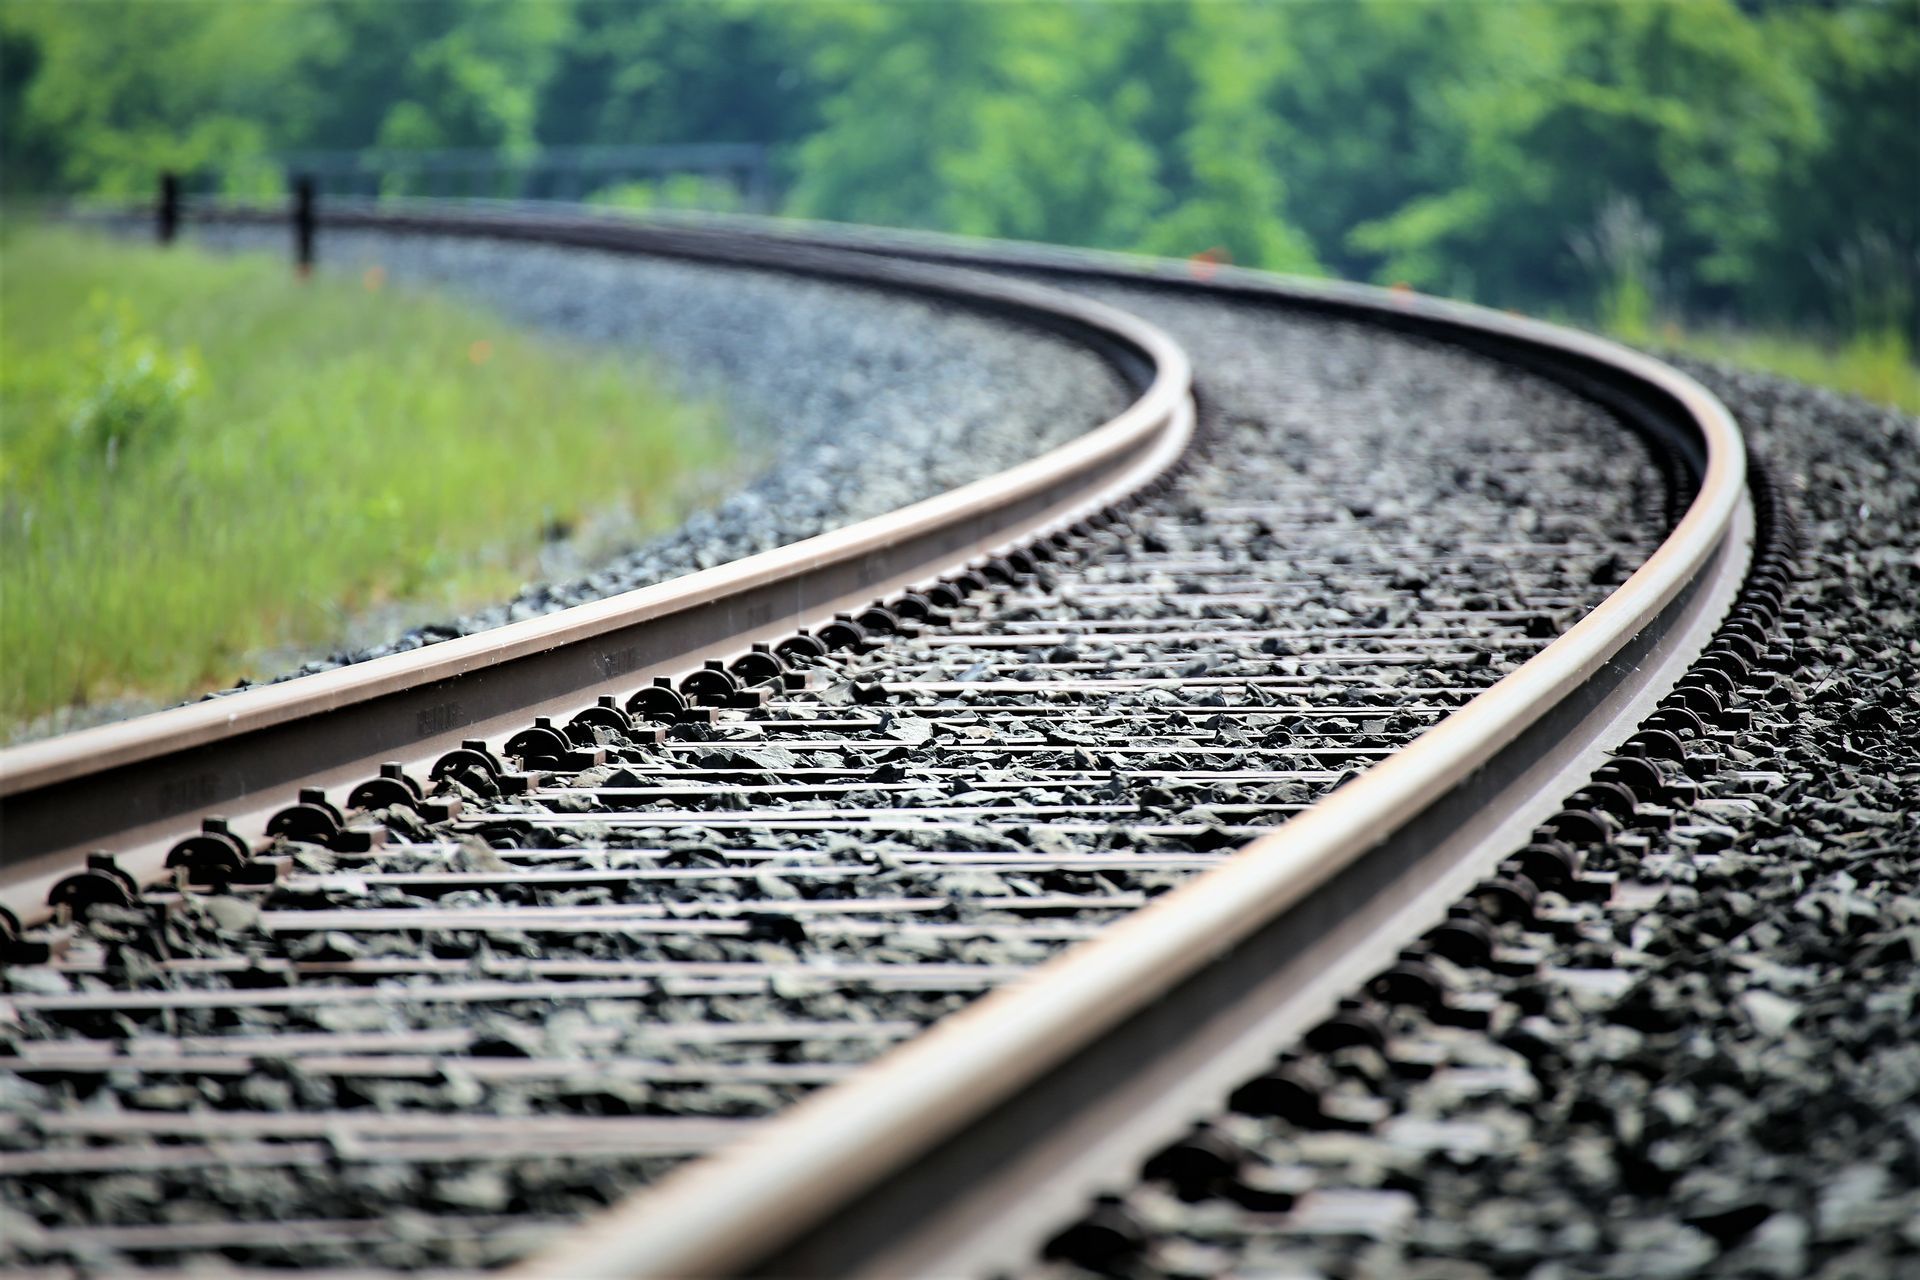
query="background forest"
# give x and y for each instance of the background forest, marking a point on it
(1754, 163)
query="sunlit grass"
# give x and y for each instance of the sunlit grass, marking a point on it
(1876, 363)
(201, 456)
(1874, 366)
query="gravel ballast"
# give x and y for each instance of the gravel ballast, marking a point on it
(1444, 516)
(1712, 1072)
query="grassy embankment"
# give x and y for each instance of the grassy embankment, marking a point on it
(202, 457)
(1875, 367)
(1875, 362)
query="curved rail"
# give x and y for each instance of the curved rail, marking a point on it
(131, 783)
(1020, 1088)
(1048, 1083)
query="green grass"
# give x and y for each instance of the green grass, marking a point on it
(1874, 366)
(202, 457)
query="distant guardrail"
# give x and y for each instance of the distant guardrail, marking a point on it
(543, 173)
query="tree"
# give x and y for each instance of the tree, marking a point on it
(1755, 159)
(985, 120)
(1231, 158)
(120, 90)
(1686, 109)
(725, 71)
(1845, 247)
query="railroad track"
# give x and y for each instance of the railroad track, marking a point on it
(1082, 792)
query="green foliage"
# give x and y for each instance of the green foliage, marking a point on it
(345, 447)
(119, 90)
(1472, 149)
(1876, 366)
(1682, 108)
(1622, 252)
(718, 71)
(112, 92)
(1856, 202)
(132, 394)
(1234, 148)
(1037, 146)
(85, 405)
(681, 191)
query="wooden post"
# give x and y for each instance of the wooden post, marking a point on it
(167, 211)
(303, 225)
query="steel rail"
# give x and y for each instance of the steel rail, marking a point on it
(950, 1158)
(131, 784)
(959, 1150)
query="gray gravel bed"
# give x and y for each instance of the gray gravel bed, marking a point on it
(1338, 573)
(1714, 1071)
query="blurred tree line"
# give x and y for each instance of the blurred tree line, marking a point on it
(1757, 161)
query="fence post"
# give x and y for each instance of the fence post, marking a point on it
(303, 225)
(167, 212)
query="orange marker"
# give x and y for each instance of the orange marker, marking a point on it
(1206, 263)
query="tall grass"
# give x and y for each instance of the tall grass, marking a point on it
(201, 456)
(1875, 365)
(1620, 252)
(1871, 297)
